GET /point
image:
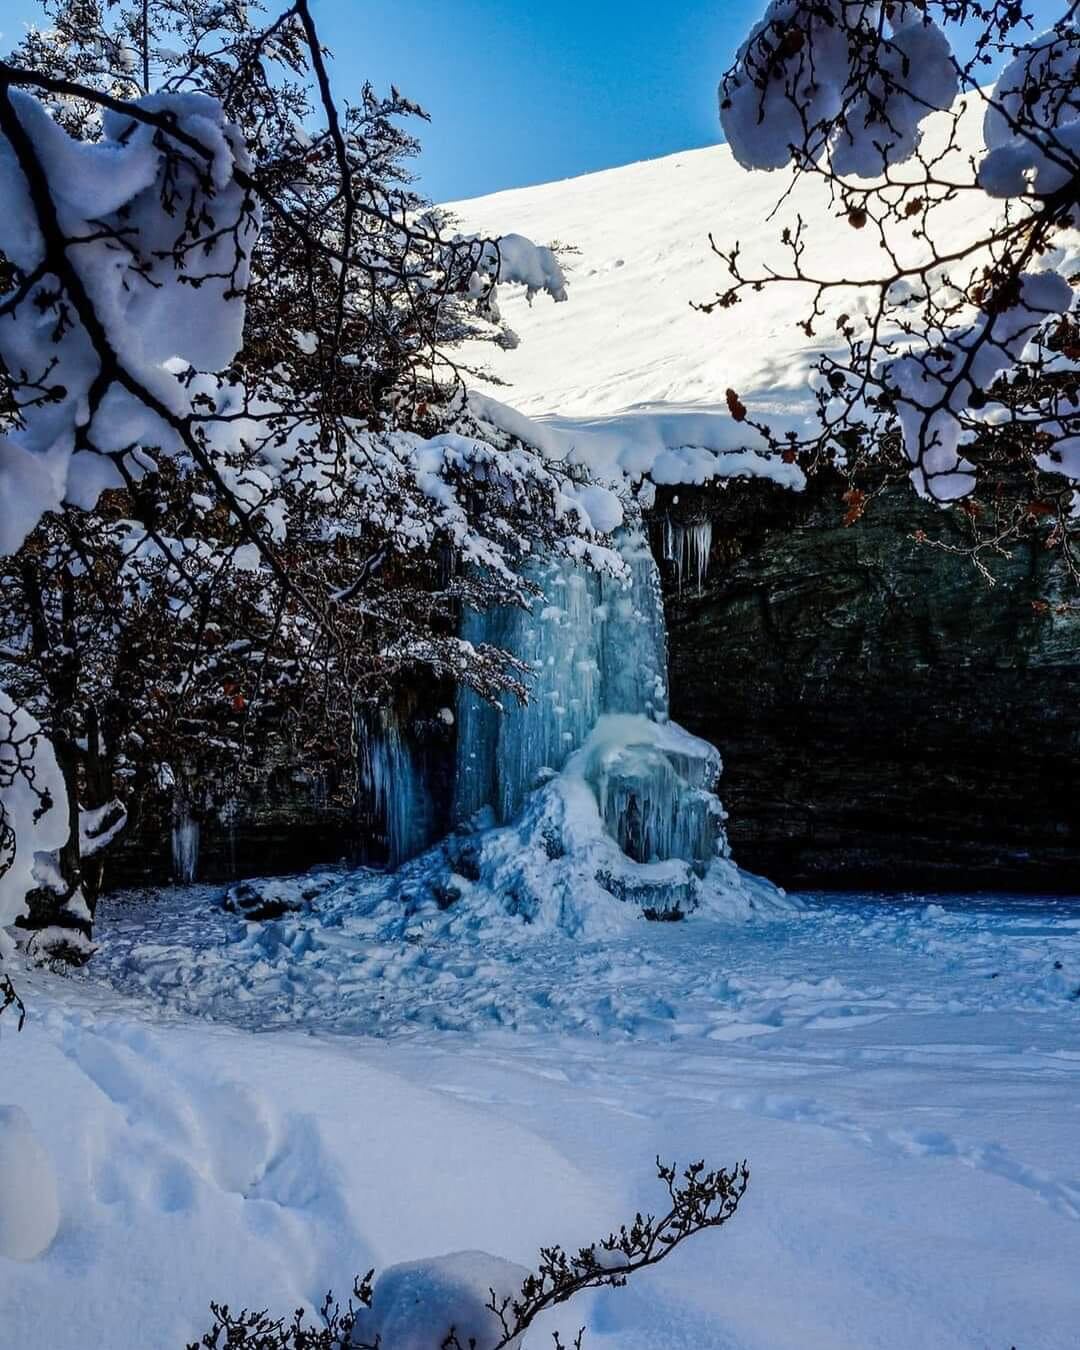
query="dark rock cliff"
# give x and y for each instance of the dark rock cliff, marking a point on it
(886, 717)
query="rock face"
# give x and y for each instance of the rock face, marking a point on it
(280, 822)
(886, 717)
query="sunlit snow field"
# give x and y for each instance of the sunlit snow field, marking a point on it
(903, 1075)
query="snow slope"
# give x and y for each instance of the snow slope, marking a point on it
(628, 336)
(904, 1078)
(629, 373)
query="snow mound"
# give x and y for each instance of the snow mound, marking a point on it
(417, 1304)
(629, 826)
(29, 1208)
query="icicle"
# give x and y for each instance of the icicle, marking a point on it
(389, 774)
(185, 844)
(687, 548)
(698, 548)
(673, 549)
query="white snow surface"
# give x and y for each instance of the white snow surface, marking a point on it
(629, 378)
(29, 1208)
(903, 1075)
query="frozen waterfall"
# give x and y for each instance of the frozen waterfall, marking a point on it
(585, 807)
(596, 644)
(627, 809)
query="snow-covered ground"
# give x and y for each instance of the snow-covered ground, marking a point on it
(904, 1077)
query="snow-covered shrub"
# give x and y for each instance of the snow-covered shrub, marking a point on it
(957, 359)
(419, 1304)
(473, 1301)
(34, 817)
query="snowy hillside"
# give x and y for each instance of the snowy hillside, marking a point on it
(628, 337)
(628, 366)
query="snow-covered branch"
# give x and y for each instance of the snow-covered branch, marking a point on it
(961, 348)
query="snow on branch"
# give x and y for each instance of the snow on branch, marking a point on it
(130, 260)
(33, 808)
(959, 346)
(515, 260)
(851, 81)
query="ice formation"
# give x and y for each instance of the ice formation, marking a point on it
(630, 817)
(653, 786)
(687, 547)
(586, 796)
(394, 784)
(576, 810)
(595, 644)
(185, 845)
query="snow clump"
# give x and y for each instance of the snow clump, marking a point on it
(29, 1207)
(417, 1303)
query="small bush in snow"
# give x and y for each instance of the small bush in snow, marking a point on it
(463, 1302)
(9, 998)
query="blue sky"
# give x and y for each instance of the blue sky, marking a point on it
(524, 91)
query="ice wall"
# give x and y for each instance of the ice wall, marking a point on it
(595, 644)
